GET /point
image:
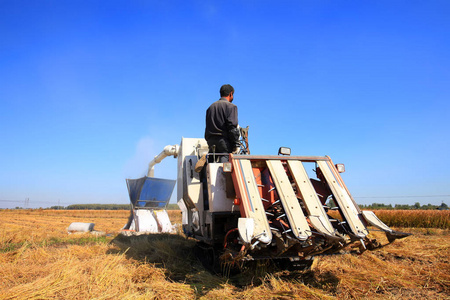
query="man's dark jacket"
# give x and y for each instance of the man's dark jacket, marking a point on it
(222, 122)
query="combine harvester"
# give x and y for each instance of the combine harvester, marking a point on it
(258, 207)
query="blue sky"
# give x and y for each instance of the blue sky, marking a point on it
(90, 91)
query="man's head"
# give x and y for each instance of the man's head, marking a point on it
(227, 91)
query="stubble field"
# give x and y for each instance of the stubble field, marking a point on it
(39, 260)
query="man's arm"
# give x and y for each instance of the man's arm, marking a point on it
(232, 126)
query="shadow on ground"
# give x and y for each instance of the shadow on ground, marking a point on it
(172, 252)
(179, 257)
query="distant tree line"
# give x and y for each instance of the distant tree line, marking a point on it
(99, 206)
(104, 207)
(416, 205)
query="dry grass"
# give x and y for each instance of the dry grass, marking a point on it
(39, 260)
(415, 218)
(411, 218)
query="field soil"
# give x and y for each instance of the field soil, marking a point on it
(40, 260)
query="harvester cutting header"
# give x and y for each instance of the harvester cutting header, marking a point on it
(243, 207)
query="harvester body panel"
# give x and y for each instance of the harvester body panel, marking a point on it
(346, 205)
(291, 205)
(217, 189)
(317, 215)
(250, 199)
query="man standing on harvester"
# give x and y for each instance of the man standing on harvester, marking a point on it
(222, 133)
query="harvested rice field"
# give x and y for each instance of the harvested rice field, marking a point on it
(40, 260)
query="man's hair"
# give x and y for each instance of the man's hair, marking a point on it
(225, 90)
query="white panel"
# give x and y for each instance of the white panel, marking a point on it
(145, 220)
(310, 198)
(217, 189)
(251, 200)
(184, 212)
(187, 148)
(343, 200)
(163, 221)
(294, 213)
(374, 221)
(194, 185)
(245, 227)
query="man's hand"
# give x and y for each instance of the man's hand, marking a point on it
(237, 150)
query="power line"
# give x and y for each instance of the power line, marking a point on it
(426, 196)
(11, 201)
(33, 202)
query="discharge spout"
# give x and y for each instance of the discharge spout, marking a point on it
(169, 150)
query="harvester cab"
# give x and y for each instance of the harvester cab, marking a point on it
(267, 207)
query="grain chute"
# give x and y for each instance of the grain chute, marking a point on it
(149, 197)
